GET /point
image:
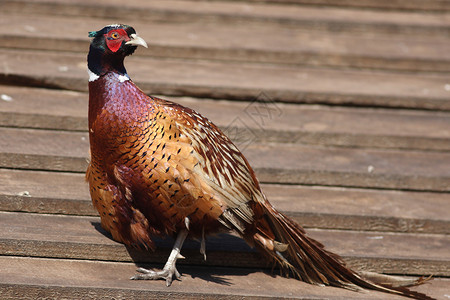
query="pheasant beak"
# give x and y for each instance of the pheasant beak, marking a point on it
(136, 41)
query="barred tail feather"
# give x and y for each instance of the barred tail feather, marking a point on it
(286, 243)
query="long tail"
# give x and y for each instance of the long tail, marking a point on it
(286, 243)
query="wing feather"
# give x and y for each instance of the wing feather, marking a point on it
(221, 166)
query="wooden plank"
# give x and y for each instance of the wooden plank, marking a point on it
(73, 237)
(324, 18)
(273, 163)
(49, 150)
(419, 5)
(259, 121)
(357, 167)
(232, 41)
(355, 209)
(322, 207)
(68, 279)
(230, 81)
(42, 108)
(45, 192)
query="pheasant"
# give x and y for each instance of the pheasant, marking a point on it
(161, 169)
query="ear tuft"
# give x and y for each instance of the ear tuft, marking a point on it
(92, 33)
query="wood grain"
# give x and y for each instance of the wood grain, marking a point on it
(261, 120)
(433, 5)
(40, 235)
(352, 140)
(91, 279)
(229, 80)
(322, 18)
(319, 207)
(233, 42)
(273, 163)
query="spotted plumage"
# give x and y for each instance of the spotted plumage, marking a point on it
(158, 168)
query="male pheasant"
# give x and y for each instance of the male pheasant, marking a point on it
(158, 168)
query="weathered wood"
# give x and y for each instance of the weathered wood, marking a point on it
(69, 279)
(42, 149)
(42, 108)
(240, 50)
(322, 207)
(432, 5)
(231, 81)
(357, 167)
(44, 192)
(273, 163)
(258, 121)
(82, 238)
(355, 209)
(233, 42)
(323, 18)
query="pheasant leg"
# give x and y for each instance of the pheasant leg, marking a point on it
(169, 269)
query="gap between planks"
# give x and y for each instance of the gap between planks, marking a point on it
(220, 80)
(322, 207)
(38, 277)
(273, 163)
(324, 18)
(261, 120)
(73, 237)
(234, 42)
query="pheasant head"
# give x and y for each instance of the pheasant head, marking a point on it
(109, 47)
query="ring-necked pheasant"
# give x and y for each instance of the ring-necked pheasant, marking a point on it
(158, 168)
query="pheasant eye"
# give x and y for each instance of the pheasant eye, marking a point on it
(115, 35)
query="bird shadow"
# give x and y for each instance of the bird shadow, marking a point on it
(227, 256)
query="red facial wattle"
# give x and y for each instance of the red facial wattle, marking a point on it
(114, 39)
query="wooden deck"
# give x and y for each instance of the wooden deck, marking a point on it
(342, 108)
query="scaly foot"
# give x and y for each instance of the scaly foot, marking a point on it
(167, 274)
(169, 270)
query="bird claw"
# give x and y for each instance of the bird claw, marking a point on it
(167, 274)
(170, 269)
